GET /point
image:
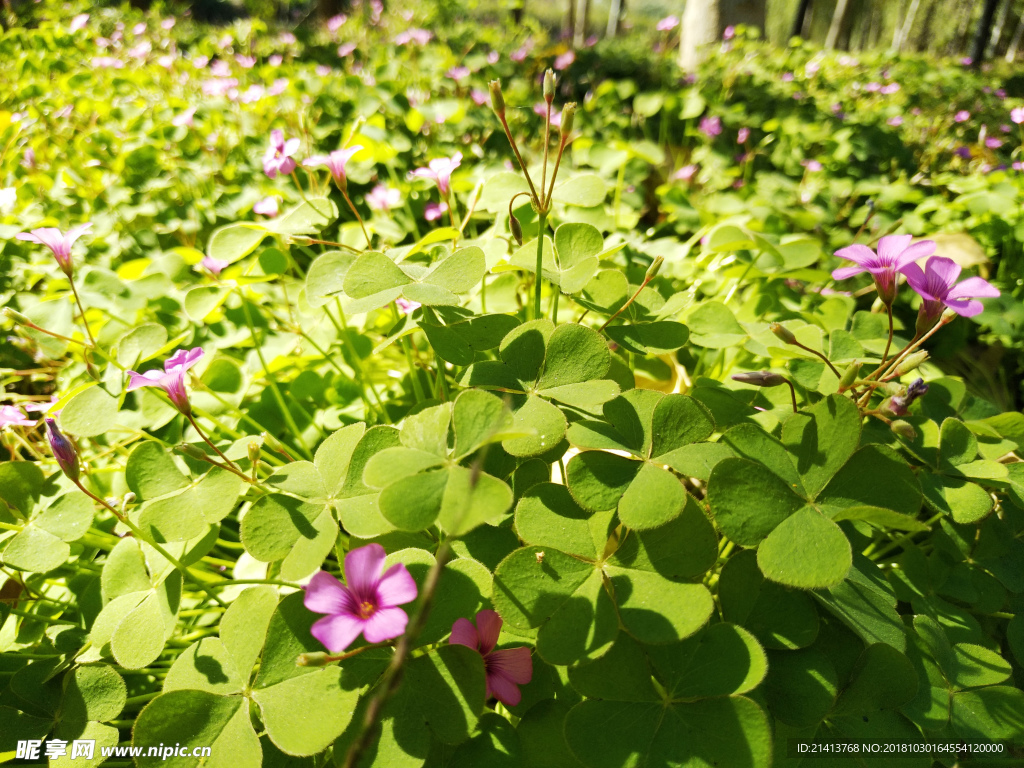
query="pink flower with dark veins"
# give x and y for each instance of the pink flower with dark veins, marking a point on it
(367, 604)
(171, 380)
(506, 669)
(937, 285)
(59, 243)
(278, 158)
(895, 252)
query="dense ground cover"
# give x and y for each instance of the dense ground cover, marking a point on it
(715, 489)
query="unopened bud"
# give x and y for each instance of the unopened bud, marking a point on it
(254, 451)
(948, 316)
(191, 451)
(549, 85)
(849, 376)
(497, 98)
(654, 268)
(910, 362)
(784, 334)
(314, 659)
(760, 378)
(903, 429)
(17, 317)
(516, 227)
(129, 498)
(565, 125)
(64, 450)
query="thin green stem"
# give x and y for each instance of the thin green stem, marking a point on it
(542, 220)
(344, 193)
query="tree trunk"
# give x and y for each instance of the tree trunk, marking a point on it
(837, 24)
(1018, 35)
(614, 13)
(800, 21)
(579, 35)
(704, 21)
(983, 32)
(907, 27)
(997, 28)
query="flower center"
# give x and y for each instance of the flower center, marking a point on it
(366, 609)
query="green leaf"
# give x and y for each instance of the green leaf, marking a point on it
(151, 471)
(36, 551)
(235, 241)
(856, 483)
(653, 497)
(544, 420)
(542, 733)
(657, 338)
(458, 342)
(748, 500)
(866, 604)
(414, 502)
(655, 609)
(964, 501)
(202, 301)
(585, 191)
(325, 278)
(273, 525)
(460, 272)
(68, 517)
(821, 438)
(597, 480)
(806, 550)
(574, 354)
(309, 217)
(21, 482)
(284, 708)
(477, 418)
(89, 413)
(373, 281)
(548, 516)
(243, 628)
(883, 678)
(713, 325)
(471, 499)
(801, 686)
(140, 344)
(93, 692)
(206, 666)
(989, 714)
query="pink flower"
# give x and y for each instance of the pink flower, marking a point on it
(507, 669)
(245, 62)
(139, 28)
(367, 604)
(479, 97)
(729, 33)
(493, 57)
(811, 165)
(711, 126)
(336, 22)
(278, 87)
(686, 173)
(787, 77)
(11, 416)
(541, 108)
(335, 163)
(266, 207)
(213, 266)
(345, 49)
(278, 158)
(890, 88)
(742, 135)
(458, 73)
(59, 243)
(167, 23)
(894, 253)
(78, 22)
(523, 51)
(382, 198)
(415, 35)
(1018, 166)
(993, 143)
(1017, 115)
(962, 116)
(275, 59)
(433, 211)
(171, 380)
(668, 23)
(937, 285)
(565, 60)
(185, 118)
(440, 171)
(895, 121)
(406, 306)
(322, 70)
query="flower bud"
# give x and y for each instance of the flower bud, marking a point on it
(568, 115)
(63, 450)
(254, 451)
(515, 227)
(849, 376)
(911, 362)
(654, 268)
(314, 659)
(17, 317)
(191, 451)
(497, 98)
(903, 429)
(760, 378)
(785, 335)
(549, 85)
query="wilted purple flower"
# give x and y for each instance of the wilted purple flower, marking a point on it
(335, 163)
(382, 198)
(899, 404)
(171, 380)
(937, 285)
(78, 22)
(565, 60)
(11, 416)
(278, 158)
(266, 207)
(367, 604)
(63, 450)
(894, 253)
(742, 135)
(440, 171)
(507, 669)
(59, 243)
(711, 126)
(668, 23)
(962, 116)
(214, 266)
(433, 211)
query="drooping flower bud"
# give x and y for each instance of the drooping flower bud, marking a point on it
(760, 378)
(568, 115)
(903, 429)
(515, 227)
(497, 98)
(911, 362)
(654, 268)
(549, 85)
(785, 335)
(63, 450)
(849, 376)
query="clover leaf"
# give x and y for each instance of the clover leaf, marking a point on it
(373, 280)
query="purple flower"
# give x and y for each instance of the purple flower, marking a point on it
(433, 211)
(565, 60)
(382, 198)
(899, 404)
(967, 61)
(336, 22)
(894, 253)
(937, 285)
(668, 23)
(335, 163)
(407, 306)
(711, 126)
(458, 73)
(63, 450)
(962, 116)
(787, 77)
(214, 266)
(345, 49)
(964, 152)
(185, 118)
(896, 121)
(686, 173)
(440, 171)
(78, 22)
(507, 669)
(11, 416)
(729, 33)
(993, 143)
(366, 604)
(171, 380)
(479, 97)
(57, 242)
(1017, 115)
(278, 158)
(742, 135)
(811, 165)
(265, 207)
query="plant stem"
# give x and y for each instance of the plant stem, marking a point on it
(228, 464)
(344, 193)
(519, 158)
(624, 306)
(542, 220)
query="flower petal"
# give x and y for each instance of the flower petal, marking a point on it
(858, 254)
(396, 587)
(514, 663)
(488, 623)
(973, 288)
(385, 624)
(182, 360)
(912, 253)
(337, 632)
(503, 689)
(844, 272)
(325, 594)
(464, 633)
(891, 246)
(147, 379)
(965, 308)
(363, 567)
